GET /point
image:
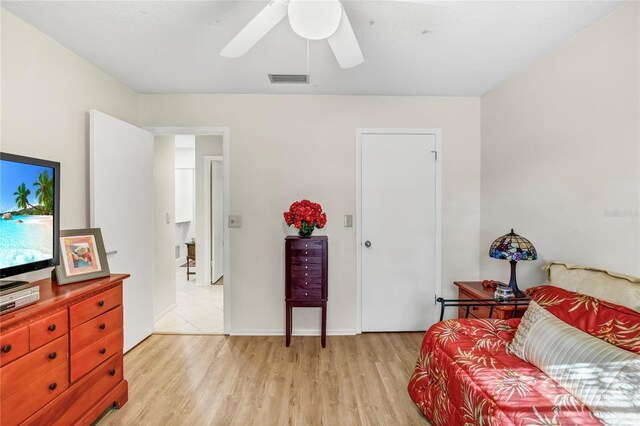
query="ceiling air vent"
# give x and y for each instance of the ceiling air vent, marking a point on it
(289, 78)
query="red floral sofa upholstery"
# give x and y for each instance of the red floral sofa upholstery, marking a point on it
(466, 376)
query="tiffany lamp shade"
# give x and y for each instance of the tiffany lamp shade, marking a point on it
(514, 248)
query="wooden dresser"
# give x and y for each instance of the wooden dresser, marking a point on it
(470, 290)
(61, 358)
(306, 270)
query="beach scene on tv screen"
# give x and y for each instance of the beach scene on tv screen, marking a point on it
(26, 204)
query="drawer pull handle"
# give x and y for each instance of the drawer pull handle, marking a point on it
(306, 245)
(306, 294)
(306, 275)
(306, 283)
(101, 303)
(305, 259)
(112, 372)
(103, 351)
(52, 327)
(53, 355)
(306, 252)
(53, 386)
(6, 348)
(102, 326)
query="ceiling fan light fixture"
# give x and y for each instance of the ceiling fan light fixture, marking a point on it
(314, 19)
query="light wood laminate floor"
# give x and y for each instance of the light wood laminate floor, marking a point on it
(220, 380)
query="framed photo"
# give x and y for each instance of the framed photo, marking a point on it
(82, 256)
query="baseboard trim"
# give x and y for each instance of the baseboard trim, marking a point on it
(163, 313)
(296, 332)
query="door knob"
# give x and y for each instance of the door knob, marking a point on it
(367, 244)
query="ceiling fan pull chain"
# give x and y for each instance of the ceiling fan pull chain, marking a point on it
(307, 56)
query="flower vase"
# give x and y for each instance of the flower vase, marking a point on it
(305, 230)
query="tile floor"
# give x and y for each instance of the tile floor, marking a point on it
(198, 309)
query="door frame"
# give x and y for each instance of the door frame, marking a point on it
(438, 207)
(226, 166)
(208, 246)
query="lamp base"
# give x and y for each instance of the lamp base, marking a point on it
(513, 283)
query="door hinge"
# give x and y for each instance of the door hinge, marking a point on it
(435, 154)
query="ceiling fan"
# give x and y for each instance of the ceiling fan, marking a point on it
(310, 19)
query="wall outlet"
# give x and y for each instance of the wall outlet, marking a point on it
(235, 221)
(167, 217)
(348, 221)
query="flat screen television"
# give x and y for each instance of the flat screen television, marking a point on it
(30, 210)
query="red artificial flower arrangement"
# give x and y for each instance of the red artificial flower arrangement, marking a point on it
(305, 216)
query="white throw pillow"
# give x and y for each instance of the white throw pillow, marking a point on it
(604, 377)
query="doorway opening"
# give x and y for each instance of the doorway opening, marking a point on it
(199, 232)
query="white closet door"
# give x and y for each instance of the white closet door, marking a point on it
(398, 231)
(121, 198)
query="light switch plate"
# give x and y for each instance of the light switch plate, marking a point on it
(235, 221)
(348, 221)
(167, 217)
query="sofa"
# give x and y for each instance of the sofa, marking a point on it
(574, 358)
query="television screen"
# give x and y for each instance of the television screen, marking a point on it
(29, 227)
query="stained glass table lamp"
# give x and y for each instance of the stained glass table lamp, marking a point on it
(514, 248)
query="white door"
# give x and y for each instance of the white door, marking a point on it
(217, 224)
(121, 198)
(398, 214)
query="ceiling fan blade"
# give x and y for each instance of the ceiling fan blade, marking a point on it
(345, 45)
(260, 25)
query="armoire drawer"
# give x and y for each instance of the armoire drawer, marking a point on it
(302, 243)
(300, 293)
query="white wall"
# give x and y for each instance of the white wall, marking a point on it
(561, 154)
(205, 145)
(47, 92)
(164, 202)
(284, 148)
(185, 158)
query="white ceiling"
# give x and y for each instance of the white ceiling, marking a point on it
(410, 47)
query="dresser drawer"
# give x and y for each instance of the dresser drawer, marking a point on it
(95, 354)
(48, 329)
(94, 329)
(306, 274)
(474, 311)
(462, 311)
(13, 344)
(31, 398)
(303, 294)
(303, 260)
(31, 367)
(306, 244)
(94, 306)
(67, 409)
